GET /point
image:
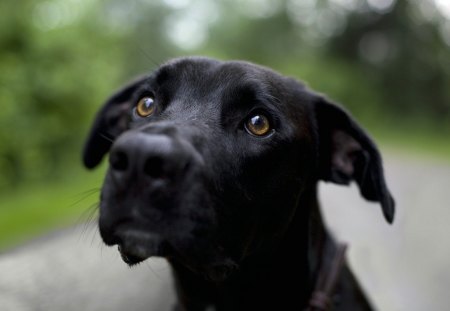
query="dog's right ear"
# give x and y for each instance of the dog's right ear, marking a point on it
(347, 153)
(109, 123)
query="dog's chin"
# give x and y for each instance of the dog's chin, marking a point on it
(202, 257)
(136, 251)
(208, 261)
(220, 271)
(131, 258)
(215, 271)
(136, 245)
(133, 253)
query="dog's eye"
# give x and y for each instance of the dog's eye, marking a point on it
(258, 125)
(145, 107)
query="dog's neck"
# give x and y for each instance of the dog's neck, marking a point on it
(321, 246)
(281, 276)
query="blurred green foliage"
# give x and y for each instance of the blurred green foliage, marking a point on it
(50, 81)
(387, 61)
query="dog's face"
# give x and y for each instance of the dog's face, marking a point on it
(208, 160)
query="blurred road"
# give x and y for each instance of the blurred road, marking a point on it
(403, 267)
(72, 271)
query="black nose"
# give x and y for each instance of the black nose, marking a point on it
(150, 156)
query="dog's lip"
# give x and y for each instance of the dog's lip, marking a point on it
(138, 253)
(130, 258)
(136, 245)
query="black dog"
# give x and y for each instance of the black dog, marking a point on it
(214, 166)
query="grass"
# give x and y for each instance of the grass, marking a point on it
(437, 149)
(33, 210)
(36, 209)
(424, 142)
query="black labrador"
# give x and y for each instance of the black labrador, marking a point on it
(214, 165)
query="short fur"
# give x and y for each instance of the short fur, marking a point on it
(235, 214)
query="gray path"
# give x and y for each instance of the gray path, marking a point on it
(403, 267)
(72, 271)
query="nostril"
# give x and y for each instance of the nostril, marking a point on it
(119, 161)
(153, 167)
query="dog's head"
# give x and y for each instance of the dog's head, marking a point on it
(208, 159)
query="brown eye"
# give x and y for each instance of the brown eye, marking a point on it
(145, 107)
(258, 125)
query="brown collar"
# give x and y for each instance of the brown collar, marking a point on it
(321, 298)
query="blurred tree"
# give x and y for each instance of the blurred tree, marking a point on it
(403, 53)
(55, 63)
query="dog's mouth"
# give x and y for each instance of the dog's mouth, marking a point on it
(136, 246)
(131, 257)
(135, 253)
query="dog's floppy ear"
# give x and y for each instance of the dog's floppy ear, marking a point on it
(347, 153)
(109, 123)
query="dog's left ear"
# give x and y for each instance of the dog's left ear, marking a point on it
(110, 122)
(347, 153)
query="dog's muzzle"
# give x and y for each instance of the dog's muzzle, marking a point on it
(151, 194)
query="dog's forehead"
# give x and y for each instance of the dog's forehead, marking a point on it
(229, 84)
(208, 75)
(194, 66)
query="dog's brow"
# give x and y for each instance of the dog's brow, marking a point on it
(253, 92)
(162, 75)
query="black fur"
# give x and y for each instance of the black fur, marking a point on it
(235, 214)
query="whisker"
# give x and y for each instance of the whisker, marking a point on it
(150, 58)
(107, 136)
(87, 219)
(84, 195)
(147, 264)
(93, 236)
